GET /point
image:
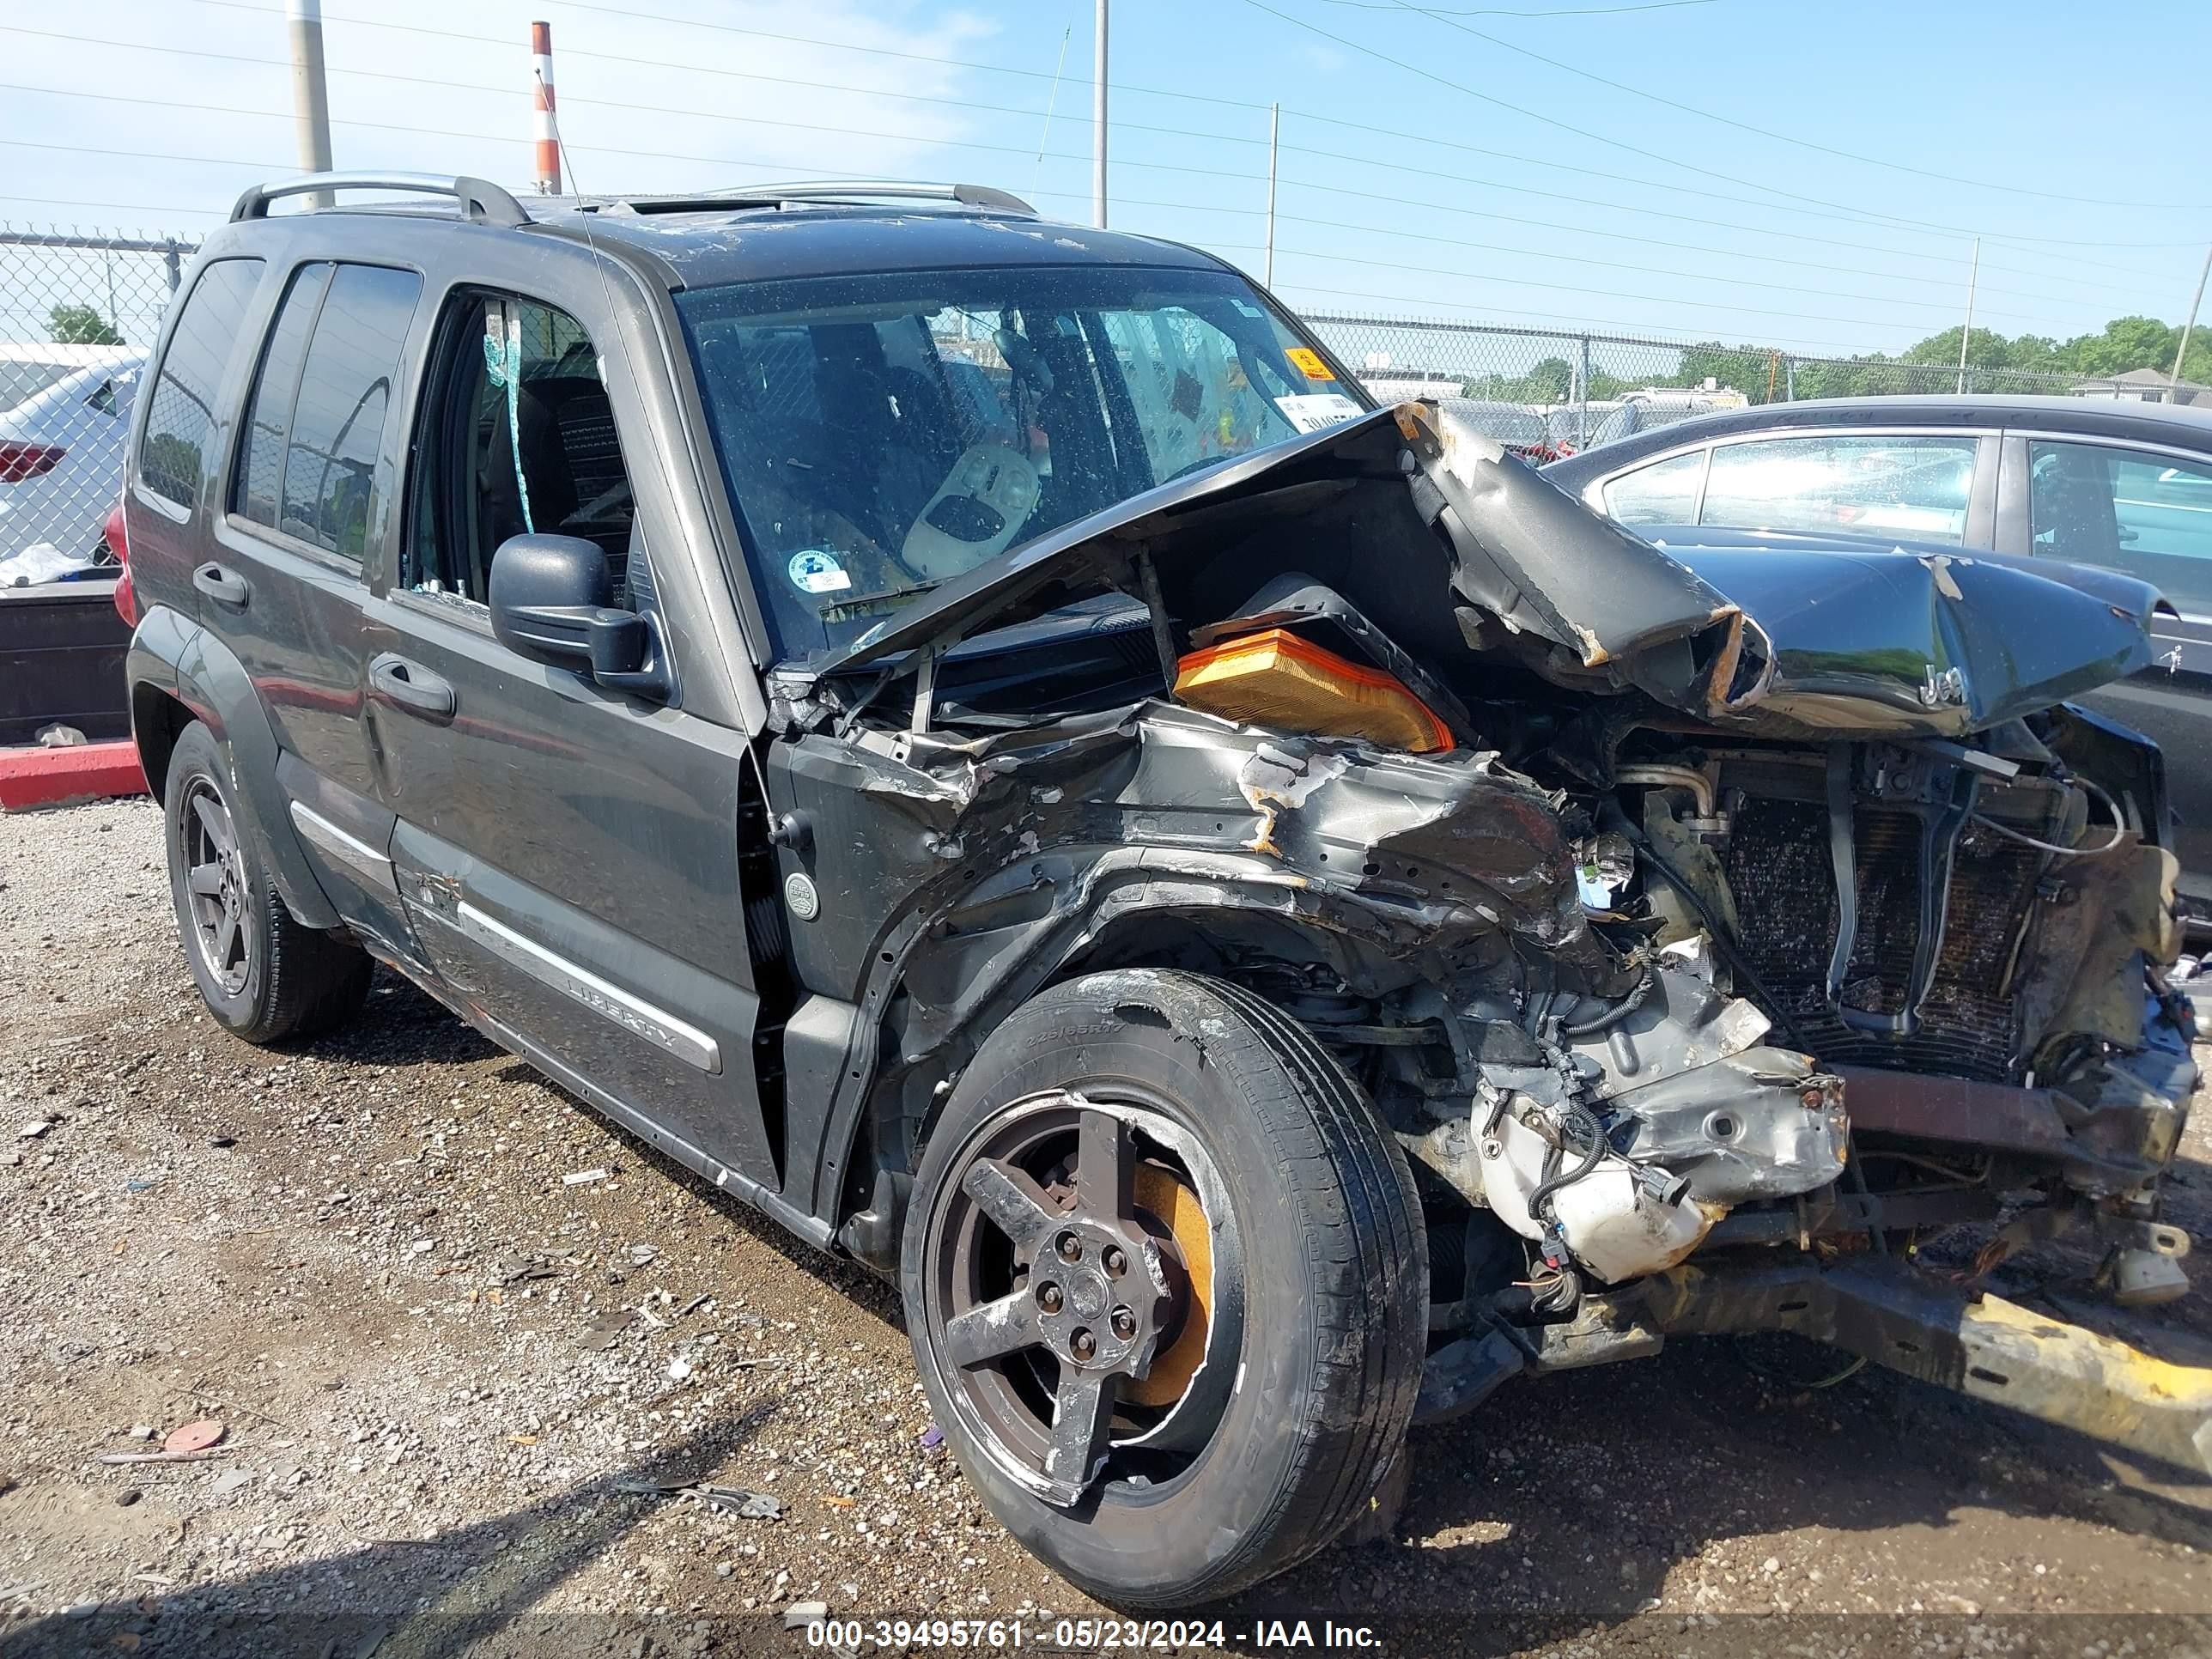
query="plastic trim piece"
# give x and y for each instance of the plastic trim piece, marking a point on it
(634, 1014)
(355, 854)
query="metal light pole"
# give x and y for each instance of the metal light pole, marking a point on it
(1274, 131)
(1098, 121)
(2173, 380)
(311, 98)
(1973, 281)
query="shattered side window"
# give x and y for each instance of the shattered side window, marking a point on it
(880, 435)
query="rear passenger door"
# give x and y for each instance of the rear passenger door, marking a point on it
(569, 856)
(309, 510)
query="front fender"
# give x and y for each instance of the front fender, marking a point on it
(173, 654)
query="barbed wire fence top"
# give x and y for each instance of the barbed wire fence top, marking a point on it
(80, 312)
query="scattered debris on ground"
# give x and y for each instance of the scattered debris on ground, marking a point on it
(463, 1397)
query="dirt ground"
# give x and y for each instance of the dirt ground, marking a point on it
(451, 1381)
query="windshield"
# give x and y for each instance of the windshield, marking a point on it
(882, 433)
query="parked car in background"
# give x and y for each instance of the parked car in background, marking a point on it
(1658, 406)
(61, 455)
(2124, 486)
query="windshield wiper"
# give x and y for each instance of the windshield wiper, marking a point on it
(847, 609)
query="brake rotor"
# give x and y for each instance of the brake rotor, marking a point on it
(1160, 1193)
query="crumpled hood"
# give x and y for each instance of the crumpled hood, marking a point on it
(1919, 639)
(1431, 519)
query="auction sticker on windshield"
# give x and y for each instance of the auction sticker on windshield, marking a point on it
(1315, 410)
(813, 571)
(1308, 362)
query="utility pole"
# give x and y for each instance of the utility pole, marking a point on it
(1274, 131)
(311, 98)
(1098, 120)
(545, 137)
(2173, 380)
(1973, 281)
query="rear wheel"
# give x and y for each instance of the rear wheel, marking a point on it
(260, 973)
(1167, 1286)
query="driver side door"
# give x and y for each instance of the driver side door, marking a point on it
(569, 856)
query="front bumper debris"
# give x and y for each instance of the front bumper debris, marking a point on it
(1983, 1346)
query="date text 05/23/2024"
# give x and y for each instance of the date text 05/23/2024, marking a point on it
(1082, 1635)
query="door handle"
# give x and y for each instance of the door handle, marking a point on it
(223, 587)
(411, 687)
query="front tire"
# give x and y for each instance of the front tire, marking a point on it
(1167, 1286)
(260, 973)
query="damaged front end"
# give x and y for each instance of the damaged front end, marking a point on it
(1680, 913)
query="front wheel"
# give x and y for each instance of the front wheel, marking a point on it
(1167, 1286)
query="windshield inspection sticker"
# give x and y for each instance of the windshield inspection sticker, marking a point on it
(813, 571)
(1316, 410)
(1308, 362)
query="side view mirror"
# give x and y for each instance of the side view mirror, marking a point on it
(551, 602)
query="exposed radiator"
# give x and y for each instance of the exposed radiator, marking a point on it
(1785, 894)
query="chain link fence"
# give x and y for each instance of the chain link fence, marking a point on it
(79, 312)
(1548, 391)
(78, 315)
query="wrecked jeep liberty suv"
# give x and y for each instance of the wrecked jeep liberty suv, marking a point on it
(1266, 917)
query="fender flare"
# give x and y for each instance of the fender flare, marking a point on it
(1125, 886)
(175, 656)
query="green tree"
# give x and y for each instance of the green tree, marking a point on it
(80, 325)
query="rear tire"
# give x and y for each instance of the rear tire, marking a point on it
(260, 972)
(1316, 1255)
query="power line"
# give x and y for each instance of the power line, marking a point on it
(1946, 307)
(1845, 216)
(1450, 21)
(1614, 293)
(1845, 213)
(1583, 132)
(1333, 224)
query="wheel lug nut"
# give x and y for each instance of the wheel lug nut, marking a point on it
(1047, 1296)
(1117, 1262)
(1083, 1344)
(1070, 1248)
(1125, 1323)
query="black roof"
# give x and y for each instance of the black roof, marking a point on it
(2090, 416)
(702, 245)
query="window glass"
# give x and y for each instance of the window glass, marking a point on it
(269, 411)
(112, 395)
(543, 459)
(2132, 510)
(330, 489)
(1666, 492)
(181, 425)
(880, 435)
(1870, 484)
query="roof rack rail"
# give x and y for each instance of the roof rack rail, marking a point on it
(856, 190)
(481, 201)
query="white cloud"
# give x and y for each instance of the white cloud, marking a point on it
(199, 102)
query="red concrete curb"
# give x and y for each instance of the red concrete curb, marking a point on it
(57, 777)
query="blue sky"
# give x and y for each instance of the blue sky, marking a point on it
(1425, 169)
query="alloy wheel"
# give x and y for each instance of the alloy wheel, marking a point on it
(215, 887)
(1072, 1293)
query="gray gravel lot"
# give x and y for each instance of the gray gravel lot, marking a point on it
(445, 1374)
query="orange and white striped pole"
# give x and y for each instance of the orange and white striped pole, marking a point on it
(543, 132)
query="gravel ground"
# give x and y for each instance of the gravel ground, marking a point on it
(446, 1374)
